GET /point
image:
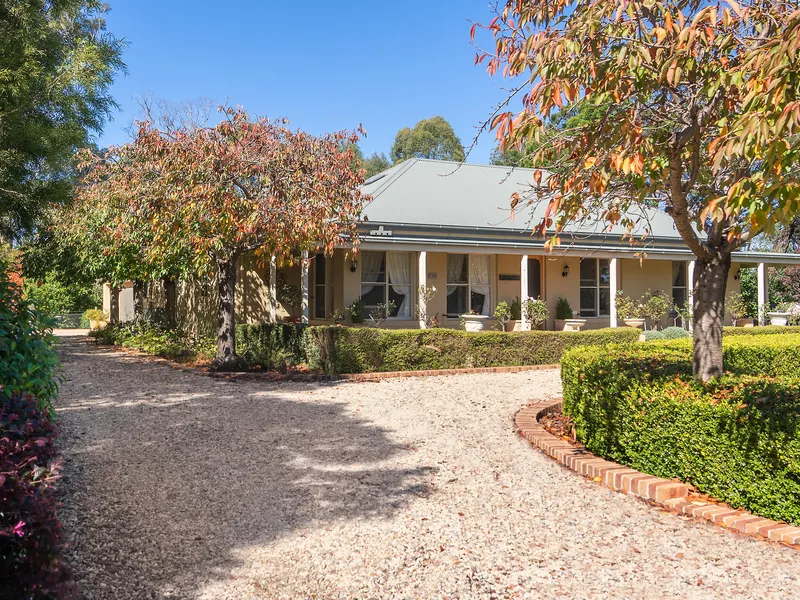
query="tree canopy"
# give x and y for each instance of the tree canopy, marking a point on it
(430, 138)
(701, 110)
(57, 62)
(202, 197)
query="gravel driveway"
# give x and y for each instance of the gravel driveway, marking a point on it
(181, 486)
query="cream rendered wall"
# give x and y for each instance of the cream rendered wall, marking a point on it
(569, 287)
(636, 278)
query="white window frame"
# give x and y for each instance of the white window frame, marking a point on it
(385, 285)
(685, 286)
(469, 284)
(596, 287)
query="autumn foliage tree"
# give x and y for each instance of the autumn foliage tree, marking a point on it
(214, 193)
(701, 112)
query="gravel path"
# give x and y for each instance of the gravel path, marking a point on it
(181, 486)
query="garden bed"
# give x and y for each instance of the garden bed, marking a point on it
(344, 350)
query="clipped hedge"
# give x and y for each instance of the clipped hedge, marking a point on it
(777, 355)
(361, 350)
(758, 331)
(735, 439)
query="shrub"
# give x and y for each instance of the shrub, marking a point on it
(736, 438)
(563, 308)
(271, 345)
(31, 538)
(668, 333)
(536, 311)
(775, 355)
(53, 297)
(28, 362)
(145, 337)
(360, 350)
(94, 314)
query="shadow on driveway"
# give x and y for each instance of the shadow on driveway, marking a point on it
(168, 473)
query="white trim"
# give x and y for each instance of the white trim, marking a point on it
(612, 309)
(523, 291)
(304, 286)
(762, 293)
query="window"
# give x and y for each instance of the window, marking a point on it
(323, 294)
(534, 278)
(595, 287)
(468, 281)
(386, 277)
(679, 283)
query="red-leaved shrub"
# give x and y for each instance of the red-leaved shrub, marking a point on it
(31, 538)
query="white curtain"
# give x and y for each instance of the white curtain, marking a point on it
(479, 278)
(455, 267)
(370, 270)
(399, 266)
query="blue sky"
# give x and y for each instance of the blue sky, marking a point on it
(324, 65)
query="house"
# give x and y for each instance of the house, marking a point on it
(450, 226)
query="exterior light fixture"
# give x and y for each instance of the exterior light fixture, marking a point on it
(353, 265)
(565, 272)
(737, 275)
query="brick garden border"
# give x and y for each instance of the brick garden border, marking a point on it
(670, 494)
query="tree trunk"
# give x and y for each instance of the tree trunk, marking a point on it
(139, 294)
(170, 295)
(710, 282)
(114, 305)
(226, 314)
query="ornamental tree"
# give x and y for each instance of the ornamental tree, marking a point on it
(701, 115)
(214, 193)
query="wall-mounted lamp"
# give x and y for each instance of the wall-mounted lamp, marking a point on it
(737, 275)
(353, 265)
(565, 272)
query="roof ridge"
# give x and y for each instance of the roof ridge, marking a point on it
(467, 164)
(401, 168)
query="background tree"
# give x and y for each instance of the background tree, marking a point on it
(57, 63)
(431, 138)
(376, 163)
(221, 192)
(701, 111)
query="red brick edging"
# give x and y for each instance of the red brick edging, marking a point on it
(670, 494)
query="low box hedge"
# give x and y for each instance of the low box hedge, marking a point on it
(766, 330)
(735, 439)
(360, 350)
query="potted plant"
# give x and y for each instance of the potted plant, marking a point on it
(502, 313)
(565, 319)
(290, 298)
(472, 321)
(515, 324)
(737, 308)
(628, 310)
(96, 317)
(780, 316)
(381, 313)
(356, 311)
(536, 312)
(655, 306)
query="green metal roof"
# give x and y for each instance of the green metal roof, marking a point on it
(459, 195)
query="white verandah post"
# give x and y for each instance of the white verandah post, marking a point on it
(523, 292)
(612, 309)
(422, 277)
(304, 286)
(273, 290)
(762, 294)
